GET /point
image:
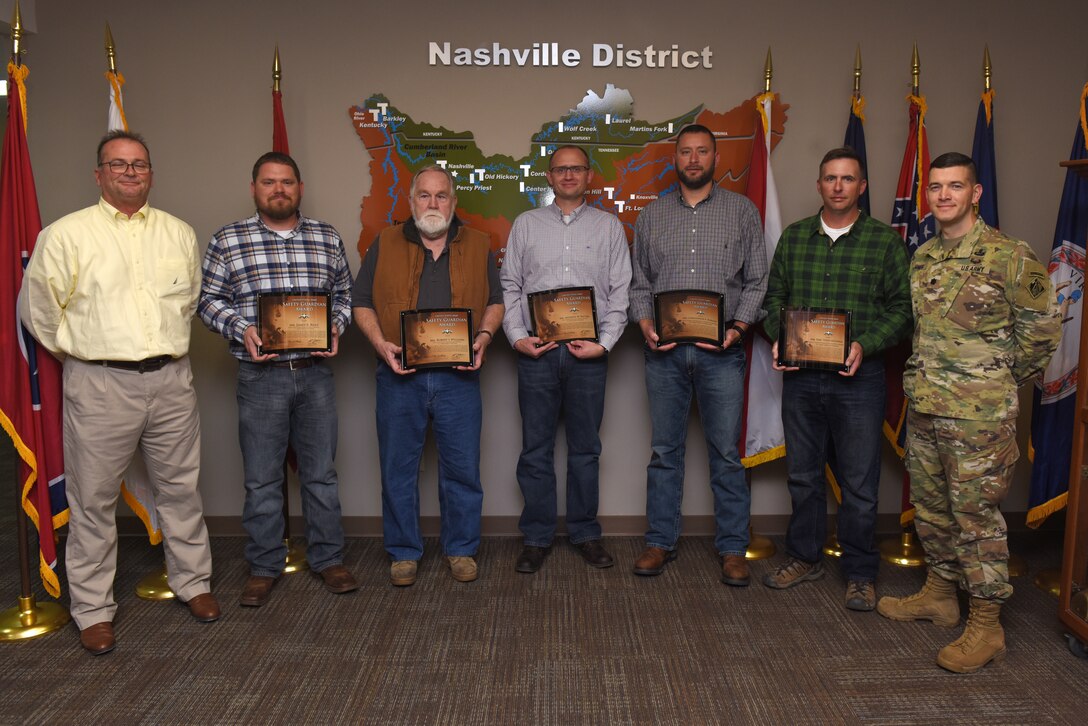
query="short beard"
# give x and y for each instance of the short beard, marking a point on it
(698, 182)
(279, 213)
(432, 225)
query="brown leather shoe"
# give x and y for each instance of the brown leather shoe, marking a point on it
(652, 561)
(204, 607)
(338, 580)
(98, 638)
(735, 571)
(257, 591)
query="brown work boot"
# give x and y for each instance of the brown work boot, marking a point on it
(936, 602)
(338, 579)
(402, 573)
(735, 571)
(462, 568)
(652, 561)
(983, 640)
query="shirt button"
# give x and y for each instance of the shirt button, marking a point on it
(693, 269)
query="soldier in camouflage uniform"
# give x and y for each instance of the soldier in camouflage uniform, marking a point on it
(986, 321)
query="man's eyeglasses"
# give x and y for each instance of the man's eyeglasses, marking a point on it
(564, 170)
(121, 167)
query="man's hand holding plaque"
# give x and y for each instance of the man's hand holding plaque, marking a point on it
(816, 338)
(288, 323)
(440, 338)
(688, 316)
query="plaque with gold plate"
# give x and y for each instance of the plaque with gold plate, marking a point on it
(564, 314)
(288, 322)
(689, 316)
(814, 338)
(437, 338)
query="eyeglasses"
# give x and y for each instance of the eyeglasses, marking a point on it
(121, 167)
(564, 170)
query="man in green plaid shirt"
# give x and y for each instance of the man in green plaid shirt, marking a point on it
(845, 260)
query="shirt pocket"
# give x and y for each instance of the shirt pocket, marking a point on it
(977, 303)
(172, 277)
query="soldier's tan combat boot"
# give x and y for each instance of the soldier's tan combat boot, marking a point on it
(936, 601)
(983, 640)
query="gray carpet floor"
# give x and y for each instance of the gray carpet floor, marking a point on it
(569, 645)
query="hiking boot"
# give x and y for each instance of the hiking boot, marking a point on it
(983, 640)
(462, 568)
(402, 573)
(793, 572)
(860, 596)
(936, 602)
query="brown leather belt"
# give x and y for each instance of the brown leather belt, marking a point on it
(296, 365)
(147, 365)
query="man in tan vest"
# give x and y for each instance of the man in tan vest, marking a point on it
(430, 262)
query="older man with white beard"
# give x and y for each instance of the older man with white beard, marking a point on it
(430, 262)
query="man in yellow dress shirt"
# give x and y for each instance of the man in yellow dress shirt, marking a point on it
(110, 290)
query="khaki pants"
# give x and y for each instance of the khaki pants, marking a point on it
(111, 415)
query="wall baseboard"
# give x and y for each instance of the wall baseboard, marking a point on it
(507, 525)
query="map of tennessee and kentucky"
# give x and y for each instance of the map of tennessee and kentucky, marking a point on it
(632, 160)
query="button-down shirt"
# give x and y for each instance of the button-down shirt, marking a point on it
(865, 271)
(103, 286)
(545, 251)
(717, 245)
(247, 258)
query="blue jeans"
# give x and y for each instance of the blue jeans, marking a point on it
(450, 401)
(821, 409)
(277, 406)
(553, 383)
(717, 380)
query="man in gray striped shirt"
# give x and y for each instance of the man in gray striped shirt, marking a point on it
(707, 239)
(567, 244)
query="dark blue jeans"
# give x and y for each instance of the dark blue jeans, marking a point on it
(822, 409)
(448, 400)
(552, 384)
(717, 381)
(277, 406)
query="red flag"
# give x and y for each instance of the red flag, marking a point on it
(279, 128)
(911, 218)
(30, 385)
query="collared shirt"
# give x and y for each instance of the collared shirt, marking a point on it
(103, 286)
(434, 277)
(546, 251)
(246, 258)
(865, 271)
(717, 245)
(986, 319)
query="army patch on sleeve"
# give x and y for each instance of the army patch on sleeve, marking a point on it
(1033, 292)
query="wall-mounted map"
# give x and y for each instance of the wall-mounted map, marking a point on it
(631, 158)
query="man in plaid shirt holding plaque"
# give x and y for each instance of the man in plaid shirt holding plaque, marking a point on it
(843, 260)
(283, 397)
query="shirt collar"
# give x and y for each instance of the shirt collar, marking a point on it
(573, 215)
(683, 203)
(298, 224)
(113, 212)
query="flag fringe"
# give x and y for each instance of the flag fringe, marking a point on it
(857, 107)
(1083, 117)
(137, 506)
(764, 456)
(116, 81)
(1038, 515)
(49, 577)
(19, 74)
(988, 104)
(906, 517)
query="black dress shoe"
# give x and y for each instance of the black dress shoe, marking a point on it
(595, 554)
(531, 559)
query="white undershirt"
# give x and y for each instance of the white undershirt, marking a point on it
(835, 232)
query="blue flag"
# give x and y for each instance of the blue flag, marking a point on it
(982, 151)
(1054, 400)
(855, 139)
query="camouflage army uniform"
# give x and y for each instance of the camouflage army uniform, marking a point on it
(986, 320)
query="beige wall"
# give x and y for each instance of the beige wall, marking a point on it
(198, 87)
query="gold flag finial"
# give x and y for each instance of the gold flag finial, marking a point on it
(915, 70)
(111, 51)
(16, 35)
(857, 71)
(987, 68)
(276, 70)
(768, 72)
